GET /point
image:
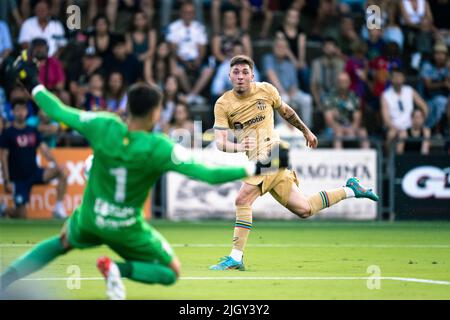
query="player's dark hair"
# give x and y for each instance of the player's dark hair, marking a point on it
(242, 59)
(143, 98)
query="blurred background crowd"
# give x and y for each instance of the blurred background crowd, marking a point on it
(343, 79)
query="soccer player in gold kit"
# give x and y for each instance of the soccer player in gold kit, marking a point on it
(248, 111)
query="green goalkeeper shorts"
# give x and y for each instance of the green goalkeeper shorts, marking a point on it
(139, 243)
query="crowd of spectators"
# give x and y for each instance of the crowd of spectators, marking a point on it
(343, 79)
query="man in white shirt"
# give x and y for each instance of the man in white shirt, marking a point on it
(42, 26)
(188, 39)
(397, 106)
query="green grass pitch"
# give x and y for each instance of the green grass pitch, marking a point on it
(284, 260)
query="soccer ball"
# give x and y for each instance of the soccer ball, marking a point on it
(87, 166)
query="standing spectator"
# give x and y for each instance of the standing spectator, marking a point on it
(163, 65)
(325, 70)
(222, 43)
(435, 76)
(181, 126)
(80, 74)
(141, 38)
(94, 99)
(121, 61)
(397, 105)
(265, 9)
(43, 26)
(6, 46)
(188, 39)
(439, 11)
(417, 131)
(18, 146)
(116, 94)
(291, 31)
(343, 113)
(281, 72)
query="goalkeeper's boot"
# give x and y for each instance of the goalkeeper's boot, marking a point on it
(228, 263)
(115, 289)
(360, 191)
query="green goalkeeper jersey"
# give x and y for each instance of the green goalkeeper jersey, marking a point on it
(126, 164)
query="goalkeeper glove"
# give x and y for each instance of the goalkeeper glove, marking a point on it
(26, 71)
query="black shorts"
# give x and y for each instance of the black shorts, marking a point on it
(22, 188)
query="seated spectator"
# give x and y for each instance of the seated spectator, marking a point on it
(264, 9)
(166, 11)
(392, 31)
(6, 46)
(397, 106)
(343, 113)
(163, 65)
(221, 81)
(222, 43)
(375, 44)
(325, 71)
(80, 74)
(171, 98)
(417, 131)
(116, 94)
(51, 72)
(439, 11)
(241, 6)
(291, 31)
(120, 12)
(347, 35)
(326, 20)
(100, 37)
(188, 39)
(435, 75)
(121, 61)
(357, 67)
(416, 16)
(141, 38)
(8, 8)
(292, 135)
(43, 26)
(281, 72)
(181, 126)
(48, 129)
(17, 93)
(94, 99)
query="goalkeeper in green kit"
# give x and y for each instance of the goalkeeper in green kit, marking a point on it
(128, 159)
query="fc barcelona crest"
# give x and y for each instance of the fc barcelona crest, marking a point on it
(261, 105)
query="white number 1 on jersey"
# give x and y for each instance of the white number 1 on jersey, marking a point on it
(121, 180)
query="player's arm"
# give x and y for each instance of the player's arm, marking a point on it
(223, 144)
(292, 117)
(181, 160)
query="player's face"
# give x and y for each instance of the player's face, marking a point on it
(241, 75)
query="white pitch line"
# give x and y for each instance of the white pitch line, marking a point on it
(279, 245)
(428, 281)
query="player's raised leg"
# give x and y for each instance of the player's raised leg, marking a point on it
(244, 219)
(305, 207)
